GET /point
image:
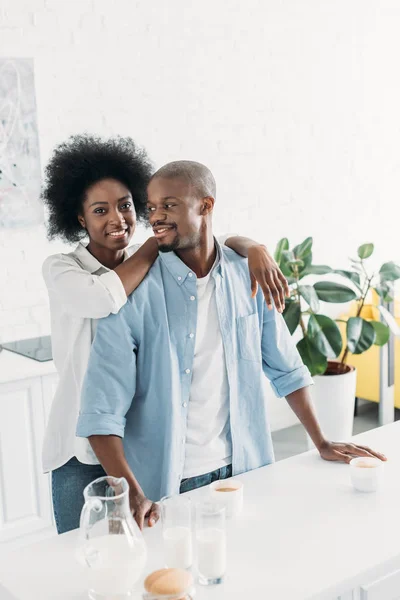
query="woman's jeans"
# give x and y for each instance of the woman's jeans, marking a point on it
(69, 481)
(67, 485)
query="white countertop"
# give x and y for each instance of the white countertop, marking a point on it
(304, 534)
(14, 367)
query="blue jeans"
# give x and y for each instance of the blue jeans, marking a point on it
(195, 482)
(69, 481)
(67, 485)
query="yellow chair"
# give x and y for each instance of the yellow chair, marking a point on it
(367, 364)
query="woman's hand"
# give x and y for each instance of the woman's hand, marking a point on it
(265, 272)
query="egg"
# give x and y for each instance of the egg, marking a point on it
(168, 582)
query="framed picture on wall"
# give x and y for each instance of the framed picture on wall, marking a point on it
(20, 174)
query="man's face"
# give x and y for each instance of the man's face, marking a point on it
(174, 214)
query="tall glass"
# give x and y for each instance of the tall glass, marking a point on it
(111, 545)
(210, 543)
(176, 515)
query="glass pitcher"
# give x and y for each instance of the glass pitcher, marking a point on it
(111, 544)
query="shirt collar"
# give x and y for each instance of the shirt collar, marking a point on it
(180, 272)
(88, 261)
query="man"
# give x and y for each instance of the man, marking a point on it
(173, 394)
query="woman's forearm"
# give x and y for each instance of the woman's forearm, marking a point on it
(263, 271)
(241, 244)
(133, 270)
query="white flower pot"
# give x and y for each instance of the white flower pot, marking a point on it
(334, 398)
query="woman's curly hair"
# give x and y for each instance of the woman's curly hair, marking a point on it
(82, 161)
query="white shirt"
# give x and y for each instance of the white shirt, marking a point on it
(81, 290)
(208, 440)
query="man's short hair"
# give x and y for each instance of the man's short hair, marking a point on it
(194, 173)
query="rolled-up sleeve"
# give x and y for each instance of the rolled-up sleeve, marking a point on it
(282, 362)
(110, 380)
(83, 294)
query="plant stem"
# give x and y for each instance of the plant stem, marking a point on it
(302, 325)
(361, 306)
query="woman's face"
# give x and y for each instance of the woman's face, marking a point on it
(108, 214)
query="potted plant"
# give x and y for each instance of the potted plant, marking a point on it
(323, 347)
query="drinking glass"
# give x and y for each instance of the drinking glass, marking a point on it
(176, 516)
(210, 543)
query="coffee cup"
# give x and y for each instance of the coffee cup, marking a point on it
(366, 473)
(228, 493)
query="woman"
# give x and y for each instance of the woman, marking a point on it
(96, 189)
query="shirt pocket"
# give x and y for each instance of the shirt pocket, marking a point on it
(249, 338)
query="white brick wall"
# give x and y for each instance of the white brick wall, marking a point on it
(294, 105)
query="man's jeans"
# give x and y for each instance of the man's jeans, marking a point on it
(195, 482)
(69, 481)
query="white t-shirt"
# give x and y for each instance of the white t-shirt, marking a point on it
(208, 440)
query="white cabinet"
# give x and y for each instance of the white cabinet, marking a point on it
(25, 498)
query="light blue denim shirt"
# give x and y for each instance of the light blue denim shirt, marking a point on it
(137, 384)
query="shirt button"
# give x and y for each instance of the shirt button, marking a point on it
(192, 298)
(191, 335)
(183, 440)
(184, 404)
(190, 274)
(179, 278)
(187, 371)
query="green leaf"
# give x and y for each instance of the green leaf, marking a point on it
(352, 275)
(334, 292)
(317, 270)
(382, 333)
(287, 255)
(310, 296)
(292, 314)
(282, 245)
(303, 249)
(385, 291)
(312, 357)
(390, 321)
(295, 263)
(360, 335)
(365, 251)
(307, 260)
(389, 272)
(325, 335)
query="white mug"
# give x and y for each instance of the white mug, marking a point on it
(228, 493)
(366, 473)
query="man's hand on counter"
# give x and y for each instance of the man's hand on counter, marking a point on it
(142, 508)
(340, 452)
(300, 403)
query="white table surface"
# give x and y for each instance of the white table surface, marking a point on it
(14, 367)
(304, 534)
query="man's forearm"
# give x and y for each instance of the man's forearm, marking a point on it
(300, 402)
(109, 450)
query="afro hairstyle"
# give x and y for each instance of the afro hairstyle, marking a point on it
(79, 163)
